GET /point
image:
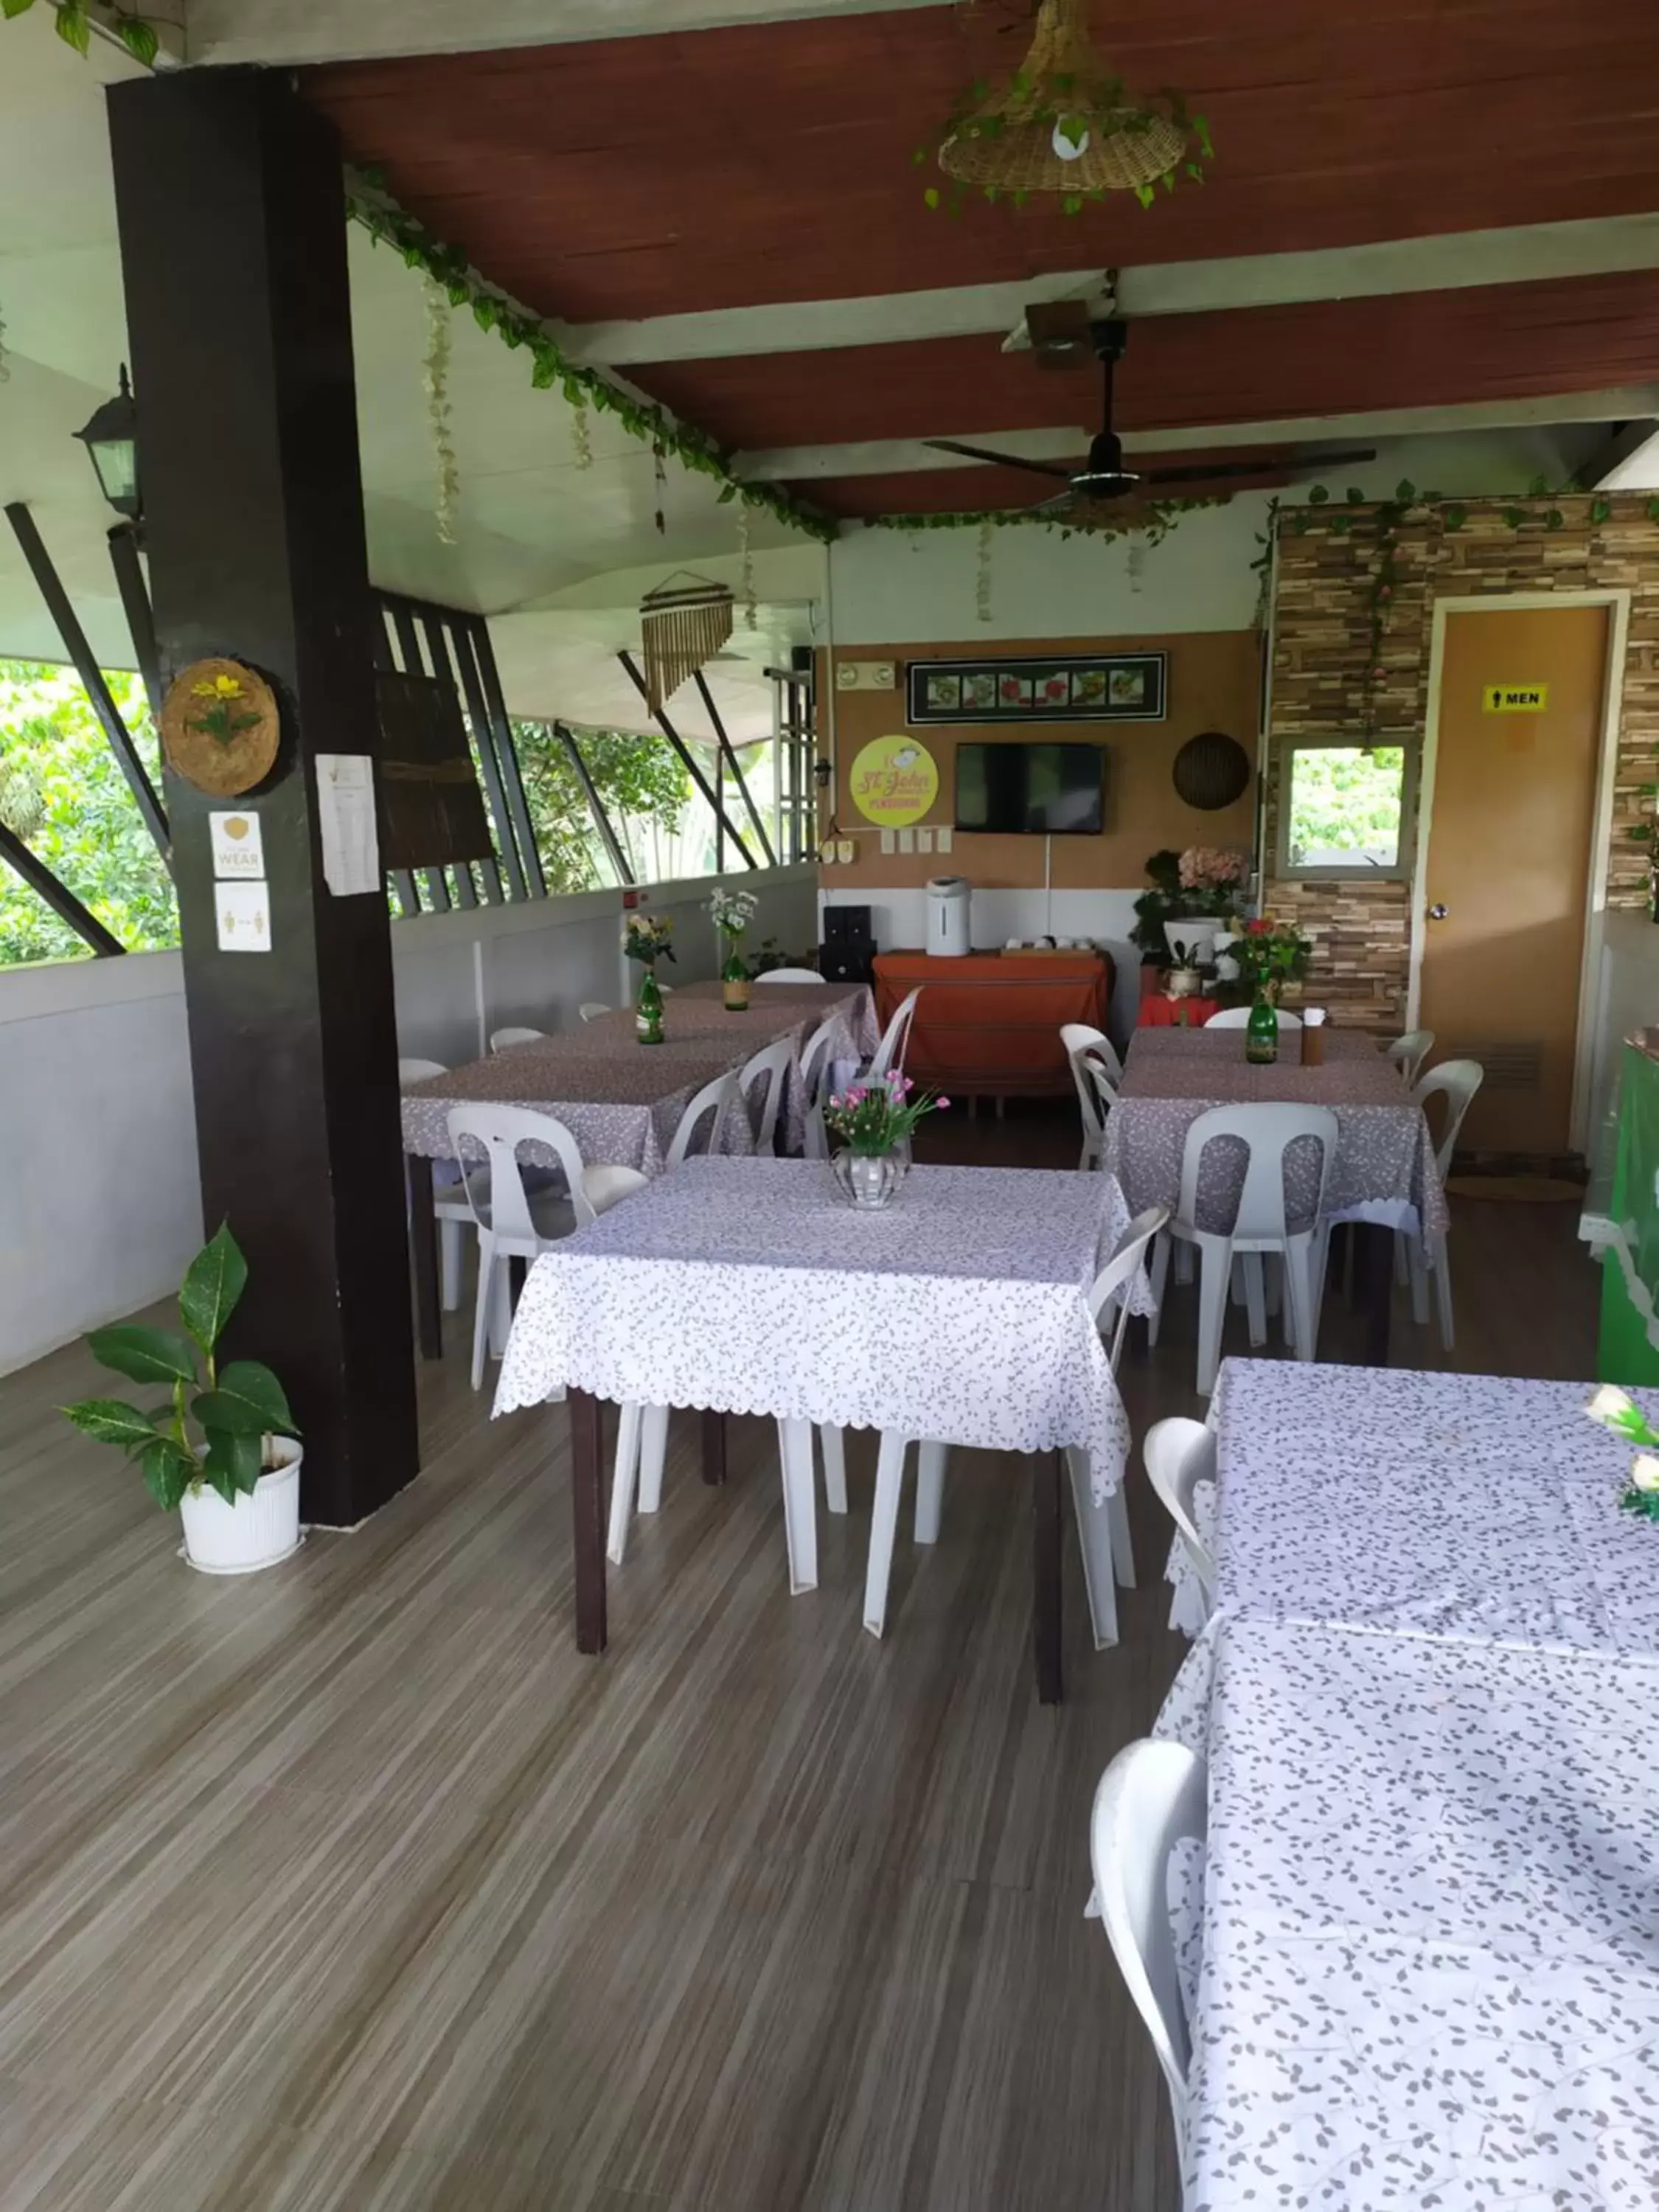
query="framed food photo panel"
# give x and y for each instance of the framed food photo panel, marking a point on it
(1106, 687)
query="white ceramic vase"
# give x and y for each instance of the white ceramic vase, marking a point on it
(260, 1528)
(869, 1180)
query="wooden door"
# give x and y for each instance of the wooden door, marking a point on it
(1508, 858)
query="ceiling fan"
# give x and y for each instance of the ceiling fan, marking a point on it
(1062, 333)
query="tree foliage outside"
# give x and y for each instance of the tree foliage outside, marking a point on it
(643, 788)
(1345, 806)
(62, 792)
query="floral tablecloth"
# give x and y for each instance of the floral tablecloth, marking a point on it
(1384, 1170)
(621, 1100)
(1470, 1504)
(1430, 1970)
(960, 1313)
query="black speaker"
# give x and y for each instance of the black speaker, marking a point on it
(842, 924)
(852, 961)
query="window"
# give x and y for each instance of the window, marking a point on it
(1346, 810)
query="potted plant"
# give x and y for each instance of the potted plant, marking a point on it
(647, 940)
(235, 1475)
(731, 912)
(1269, 955)
(871, 1122)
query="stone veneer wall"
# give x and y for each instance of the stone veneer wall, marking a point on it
(1322, 646)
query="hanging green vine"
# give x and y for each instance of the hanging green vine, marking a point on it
(368, 203)
(76, 17)
(1153, 519)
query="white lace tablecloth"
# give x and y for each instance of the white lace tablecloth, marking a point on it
(1430, 1972)
(1469, 1504)
(1383, 1171)
(621, 1100)
(959, 1313)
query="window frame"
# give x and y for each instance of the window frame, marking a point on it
(1404, 866)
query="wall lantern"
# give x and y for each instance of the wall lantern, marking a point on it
(111, 439)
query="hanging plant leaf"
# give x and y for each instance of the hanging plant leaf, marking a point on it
(138, 37)
(1317, 494)
(10, 8)
(73, 29)
(1599, 510)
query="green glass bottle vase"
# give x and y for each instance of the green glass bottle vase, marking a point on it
(1261, 1032)
(734, 980)
(647, 1014)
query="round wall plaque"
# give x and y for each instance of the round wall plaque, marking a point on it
(220, 727)
(1211, 771)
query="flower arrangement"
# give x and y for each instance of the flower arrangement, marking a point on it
(1211, 867)
(1610, 1408)
(647, 939)
(1270, 955)
(874, 1118)
(731, 912)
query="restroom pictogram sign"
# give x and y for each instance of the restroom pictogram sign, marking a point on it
(1515, 698)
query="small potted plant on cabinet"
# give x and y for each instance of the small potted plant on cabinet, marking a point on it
(224, 1452)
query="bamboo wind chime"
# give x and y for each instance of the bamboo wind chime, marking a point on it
(681, 631)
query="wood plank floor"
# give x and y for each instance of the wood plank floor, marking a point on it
(350, 1885)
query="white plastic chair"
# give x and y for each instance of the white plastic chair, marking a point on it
(889, 1052)
(1103, 1531)
(1260, 1226)
(717, 1098)
(1409, 1052)
(817, 1073)
(790, 975)
(1152, 1797)
(449, 1207)
(1238, 1017)
(1457, 1080)
(503, 1040)
(773, 1065)
(590, 1009)
(513, 1222)
(1179, 1456)
(1083, 1045)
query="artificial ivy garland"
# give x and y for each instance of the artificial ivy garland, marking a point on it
(439, 339)
(368, 203)
(1153, 519)
(75, 20)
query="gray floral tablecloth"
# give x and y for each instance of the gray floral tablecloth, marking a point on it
(959, 1313)
(1469, 1504)
(1384, 1170)
(1430, 1965)
(621, 1100)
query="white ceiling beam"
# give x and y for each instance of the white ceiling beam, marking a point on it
(904, 456)
(1528, 254)
(293, 31)
(1630, 461)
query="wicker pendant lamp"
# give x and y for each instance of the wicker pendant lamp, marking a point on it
(1062, 123)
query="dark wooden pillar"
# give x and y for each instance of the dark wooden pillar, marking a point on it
(229, 194)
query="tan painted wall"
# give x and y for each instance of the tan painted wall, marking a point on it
(1213, 682)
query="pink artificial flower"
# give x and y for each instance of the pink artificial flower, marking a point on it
(941, 1102)
(855, 1098)
(836, 1101)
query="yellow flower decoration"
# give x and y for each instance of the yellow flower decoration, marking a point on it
(220, 687)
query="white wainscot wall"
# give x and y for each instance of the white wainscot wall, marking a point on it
(100, 1211)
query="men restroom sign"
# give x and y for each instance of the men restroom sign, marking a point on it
(1514, 698)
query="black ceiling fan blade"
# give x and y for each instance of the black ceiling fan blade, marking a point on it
(997, 460)
(1216, 472)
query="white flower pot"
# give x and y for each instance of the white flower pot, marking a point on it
(260, 1528)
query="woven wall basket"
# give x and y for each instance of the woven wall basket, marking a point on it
(1136, 146)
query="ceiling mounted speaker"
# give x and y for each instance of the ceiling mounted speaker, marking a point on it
(1212, 770)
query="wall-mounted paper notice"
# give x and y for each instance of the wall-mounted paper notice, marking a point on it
(238, 849)
(243, 912)
(345, 814)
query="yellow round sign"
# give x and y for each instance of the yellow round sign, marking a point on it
(894, 782)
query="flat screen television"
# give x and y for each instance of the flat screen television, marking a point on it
(1049, 791)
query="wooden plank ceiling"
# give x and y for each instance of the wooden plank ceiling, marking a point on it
(640, 177)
